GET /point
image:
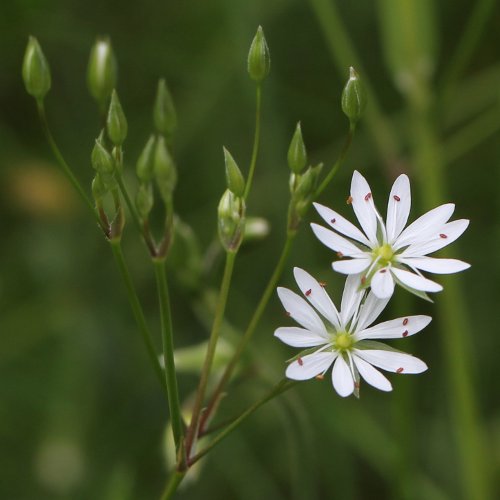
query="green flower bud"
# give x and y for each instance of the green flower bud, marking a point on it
(231, 220)
(234, 177)
(297, 154)
(145, 164)
(305, 184)
(353, 97)
(144, 200)
(101, 160)
(101, 71)
(36, 71)
(116, 121)
(259, 59)
(164, 114)
(164, 169)
(99, 188)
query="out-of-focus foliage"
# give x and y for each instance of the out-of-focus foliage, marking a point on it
(81, 414)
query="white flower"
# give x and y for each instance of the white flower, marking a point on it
(346, 338)
(386, 254)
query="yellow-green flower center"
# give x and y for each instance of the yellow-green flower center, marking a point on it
(384, 254)
(343, 341)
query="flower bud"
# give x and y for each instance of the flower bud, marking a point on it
(297, 154)
(353, 97)
(144, 200)
(99, 188)
(164, 169)
(259, 59)
(116, 121)
(234, 177)
(101, 71)
(101, 160)
(36, 71)
(231, 220)
(145, 164)
(164, 114)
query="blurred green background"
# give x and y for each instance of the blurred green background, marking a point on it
(81, 414)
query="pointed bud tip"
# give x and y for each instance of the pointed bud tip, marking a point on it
(35, 70)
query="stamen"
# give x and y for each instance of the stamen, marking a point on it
(320, 377)
(396, 197)
(444, 236)
(299, 361)
(356, 385)
(383, 271)
(363, 280)
(308, 292)
(405, 333)
(287, 313)
(368, 196)
(349, 200)
(340, 255)
(322, 284)
(399, 370)
(333, 221)
(405, 321)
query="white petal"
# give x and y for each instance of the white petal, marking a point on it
(415, 281)
(299, 337)
(391, 361)
(371, 375)
(437, 266)
(424, 226)
(317, 296)
(351, 298)
(342, 379)
(395, 328)
(440, 238)
(370, 310)
(301, 312)
(335, 242)
(311, 365)
(340, 224)
(362, 203)
(351, 266)
(398, 208)
(382, 284)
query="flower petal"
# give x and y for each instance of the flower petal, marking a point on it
(317, 296)
(391, 361)
(382, 283)
(434, 265)
(364, 208)
(311, 365)
(342, 379)
(299, 337)
(340, 224)
(441, 237)
(395, 328)
(336, 242)
(301, 312)
(371, 375)
(370, 310)
(398, 208)
(351, 298)
(412, 280)
(424, 226)
(351, 266)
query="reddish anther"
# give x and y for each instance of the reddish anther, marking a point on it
(444, 236)
(368, 196)
(405, 321)
(399, 370)
(320, 377)
(340, 255)
(405, 333)
(333, 221)
(363, 280)
(308, 292)
(299, 361)
(322, 284)
(349, 200)
(383, 271)
(287, 313)
(356, 384)
(396, 197)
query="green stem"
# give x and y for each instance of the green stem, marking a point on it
(256, 139)
(278, 389)
(338, 163)
(212, 344)
(172, 484)
(259, 311)
(137, 310)
(168, 352)
(65, 167)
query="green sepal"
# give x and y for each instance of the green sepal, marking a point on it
(259, 59)
(164, 115)
(297, 154)
(145, 163)
(116, 122)
(234, 177)
(36, 71)
(231, 220)
(101, 159)
(144, 200)
(164, 169)
(353, 97)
